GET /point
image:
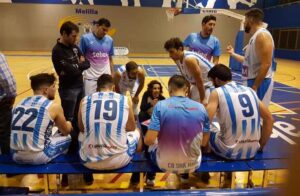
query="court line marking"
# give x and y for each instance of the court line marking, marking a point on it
(160, 72)
(158, 76)
(28, 76)
(49, 55)
(116, 178)
(143, 67)
(291, 112)
(295, 92)
(284, 137)
(37, 69)
(289, 102)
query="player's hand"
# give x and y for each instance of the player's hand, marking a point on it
(154, 102)
(127, 94)
(70, 126)
(203, 102)
(82, 59)
(135, 99)
(254, 88)
(230, 49)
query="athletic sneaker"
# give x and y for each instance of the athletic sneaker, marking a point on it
(150, 183)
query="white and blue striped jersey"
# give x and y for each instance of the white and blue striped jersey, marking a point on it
(252, 63)
(203, 63)
(239, 120)
(127, 84)
(31, 125)
(104, 116)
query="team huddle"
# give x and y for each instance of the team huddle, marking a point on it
(99, 117)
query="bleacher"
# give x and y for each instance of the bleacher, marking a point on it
(273, 157)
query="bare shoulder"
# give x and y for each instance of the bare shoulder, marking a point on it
(55, 107)
(141, 72)
(263, 36)
(190, 59)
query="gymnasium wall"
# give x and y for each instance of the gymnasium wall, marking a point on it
(284, 24)
(34, 27)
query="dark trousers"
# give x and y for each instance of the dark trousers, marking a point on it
(150, 175)
(5, 129)
(70, 101)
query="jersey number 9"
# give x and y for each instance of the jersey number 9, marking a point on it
(246, 103)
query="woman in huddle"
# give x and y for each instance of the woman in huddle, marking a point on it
(149, 100)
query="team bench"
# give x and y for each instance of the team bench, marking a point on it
(70, 164)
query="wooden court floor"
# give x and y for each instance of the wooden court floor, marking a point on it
(25, 64)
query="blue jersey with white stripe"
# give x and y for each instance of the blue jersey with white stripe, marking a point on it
(104, 116)
(239, 120)
(31, 124)
(203, 63)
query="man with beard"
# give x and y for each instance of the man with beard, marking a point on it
(258, 62)
(69, 64)
(239, 112)
(130, 78)
(32, 140)
(204, 43)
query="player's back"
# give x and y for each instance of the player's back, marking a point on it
(104, 116)
(31, 124)
(182, 123)
(239, 120)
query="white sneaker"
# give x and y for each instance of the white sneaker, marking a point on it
(150, 182)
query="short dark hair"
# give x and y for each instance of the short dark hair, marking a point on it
(208, 18)
(178, 82)
(220, 71)
(68, 27)
(103, 21)
(131, 65)
(173, 43)
(151, 85)
(39, 80)
(105, 81)
(256, 14)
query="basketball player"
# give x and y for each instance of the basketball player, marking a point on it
(239, 112)
(98, 48)
(257, 67)
(32, 140)
(193, 67)
(109, 137)
(130, 78)
(204, 43)
(179, 127)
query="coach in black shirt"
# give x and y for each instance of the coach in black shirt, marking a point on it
(69, 64)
